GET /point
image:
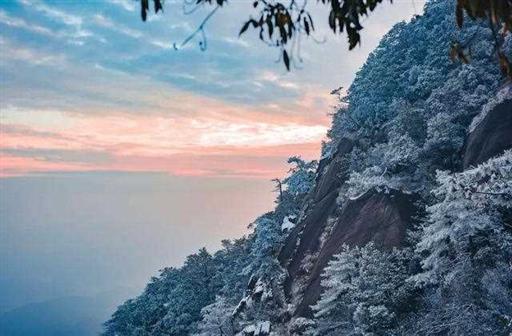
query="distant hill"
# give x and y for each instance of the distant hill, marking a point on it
(70, 315)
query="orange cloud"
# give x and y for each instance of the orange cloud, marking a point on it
(220, 142)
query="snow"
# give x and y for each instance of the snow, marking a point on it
(264, 328)
(287, 223)
(259, 288)
(249, 330)
(241, 305)
(258, 329)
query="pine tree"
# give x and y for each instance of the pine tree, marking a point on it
(363, 290)
(468, 249)
(216, 319)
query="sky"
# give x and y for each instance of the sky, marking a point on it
(120, 155)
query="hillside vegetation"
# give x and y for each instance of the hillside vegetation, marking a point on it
(403, 227)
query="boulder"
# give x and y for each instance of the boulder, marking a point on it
(491, 137)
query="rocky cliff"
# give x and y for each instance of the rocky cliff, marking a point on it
(382, 218)
(403, 226)
(491, 137)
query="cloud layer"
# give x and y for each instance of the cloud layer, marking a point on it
(88, 87)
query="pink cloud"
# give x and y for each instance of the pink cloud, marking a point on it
(260, 162)
(137, 124)
(16, 166)
(220, 142)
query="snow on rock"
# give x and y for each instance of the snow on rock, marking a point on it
(245, 302)
(249, 330)
(263, 329)
(258, 329)
(259, 289)
(287, 223)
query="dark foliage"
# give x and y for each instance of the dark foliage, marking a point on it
(282, 24)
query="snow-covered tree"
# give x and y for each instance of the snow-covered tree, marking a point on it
(364, 288)
(217, 319)
(467, 248)
(445, 137)
(231, 262)
(390, 165)
(263, 299)
(407, 114)
(337, 282)
(469, 206)
(194, 290)
(294, 188)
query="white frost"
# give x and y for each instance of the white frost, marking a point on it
(287, 223)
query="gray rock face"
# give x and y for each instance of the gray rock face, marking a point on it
(381, 218)
(331, 172)
(491, 137)
(305, 237)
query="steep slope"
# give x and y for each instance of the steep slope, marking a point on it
(403, 226)
(407, 88)
(374, 217)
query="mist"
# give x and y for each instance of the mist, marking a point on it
(88, 233)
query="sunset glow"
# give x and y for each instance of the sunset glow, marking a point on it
(213, 143)
(85, 90)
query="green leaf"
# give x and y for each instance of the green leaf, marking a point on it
(286, 60)
(270, 27)
(158, 6)
(244, 28)
(144, 7)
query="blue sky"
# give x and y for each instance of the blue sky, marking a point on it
(91, 72)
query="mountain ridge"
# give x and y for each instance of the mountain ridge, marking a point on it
(401, 228)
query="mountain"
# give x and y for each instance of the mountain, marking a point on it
(403, 227)
(71, 315)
